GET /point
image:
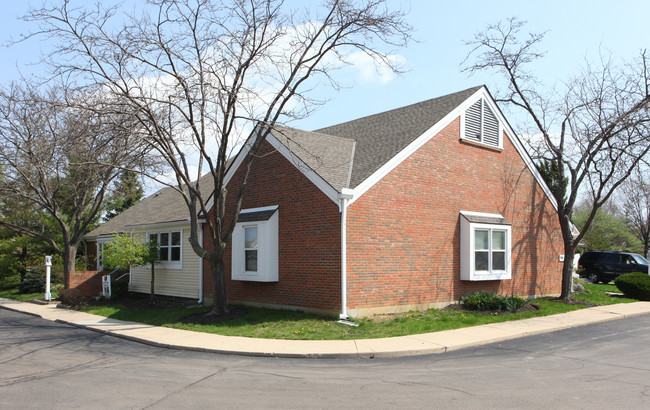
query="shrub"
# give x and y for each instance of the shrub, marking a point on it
(635, 285)
(71, 297)
(119, 289)
(483, 300)
(34, 282)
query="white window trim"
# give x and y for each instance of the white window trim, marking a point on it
(267, 248)
(172, 265)
(488, 102)
(468, 254)
(100, 248)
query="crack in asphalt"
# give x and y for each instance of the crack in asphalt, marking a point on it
(187, 386)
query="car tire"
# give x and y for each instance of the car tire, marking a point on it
(593, 278)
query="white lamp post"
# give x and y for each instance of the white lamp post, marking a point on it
(48, 267)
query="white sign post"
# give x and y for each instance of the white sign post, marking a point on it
(48, 267)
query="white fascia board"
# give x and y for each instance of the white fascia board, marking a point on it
(519, 147)
(260, 209)
(483, 214)
(410, 149)
(482, 92)
(159, 226)
(315, 179)
(235, 165)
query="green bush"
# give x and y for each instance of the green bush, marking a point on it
(119, 289)
(483, 300)
(635, 285)
(71, 297)
(34, 282)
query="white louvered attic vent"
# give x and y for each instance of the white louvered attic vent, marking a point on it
(481, 125)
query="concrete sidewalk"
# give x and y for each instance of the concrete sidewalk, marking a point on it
(427, 343)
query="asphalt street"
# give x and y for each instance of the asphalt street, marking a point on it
(46, 364)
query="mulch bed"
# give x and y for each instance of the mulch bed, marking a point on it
(529, 307)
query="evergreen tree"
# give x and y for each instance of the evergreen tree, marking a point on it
(128, 191)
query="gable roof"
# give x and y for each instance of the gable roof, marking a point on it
(380, 137)
(376, 144)
(164, 206)
(329, 156)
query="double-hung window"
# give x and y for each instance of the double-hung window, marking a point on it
(485, 246)
(169, 248)
(255, 245)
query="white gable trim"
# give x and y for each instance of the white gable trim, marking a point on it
(457, 112)
(401, 156)
(410, 149)
(315, 179)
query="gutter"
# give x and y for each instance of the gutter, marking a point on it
(344, 197)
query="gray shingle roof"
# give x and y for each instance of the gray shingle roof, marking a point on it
(381, 136)
(480, 219)
(166, 205)
(327, 155)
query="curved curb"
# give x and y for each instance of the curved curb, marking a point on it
(411, 345)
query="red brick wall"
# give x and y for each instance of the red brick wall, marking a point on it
(89, 283)
(404, 233)
(309, 238)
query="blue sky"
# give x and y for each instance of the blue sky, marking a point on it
(576, 30)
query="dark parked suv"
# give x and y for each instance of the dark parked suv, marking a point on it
(604, 266)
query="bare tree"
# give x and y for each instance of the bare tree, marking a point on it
(200, 72)
(596, 128)
(634, 201)
(57, 163)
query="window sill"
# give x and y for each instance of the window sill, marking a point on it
(481, 145)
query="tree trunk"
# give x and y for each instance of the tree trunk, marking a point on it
(153, 276)
(218, 286)
(569, 251)
(69, 261)
(567, 275)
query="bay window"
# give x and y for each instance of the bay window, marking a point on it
(485, 246)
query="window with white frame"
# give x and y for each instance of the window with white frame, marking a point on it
(169, 247)
(100, 254)
(485, 246)
(481, 124)
(255, 245)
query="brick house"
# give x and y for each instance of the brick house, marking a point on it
(406, 209)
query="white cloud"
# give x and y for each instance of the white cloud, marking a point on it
(373, 71)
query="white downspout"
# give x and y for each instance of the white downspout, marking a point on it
(200, 301)
(344, 197)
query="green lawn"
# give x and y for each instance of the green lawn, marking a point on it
(282, 324)
(9, 290)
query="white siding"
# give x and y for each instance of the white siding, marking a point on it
(182, 282)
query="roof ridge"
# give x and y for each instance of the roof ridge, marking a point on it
(404, 107)
(314, 132)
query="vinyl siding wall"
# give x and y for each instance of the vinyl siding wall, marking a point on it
(182, 282)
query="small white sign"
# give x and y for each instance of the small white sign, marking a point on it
(561, 258)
